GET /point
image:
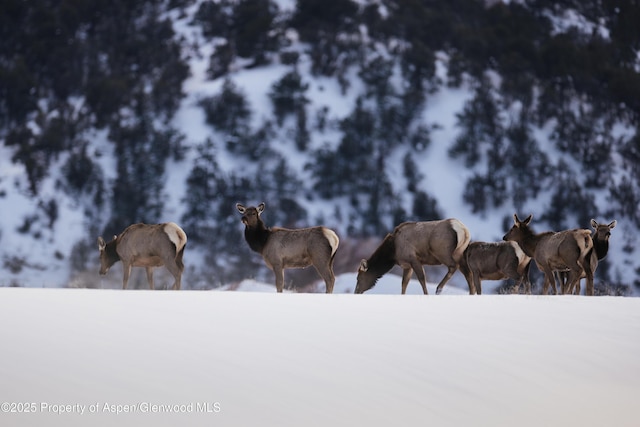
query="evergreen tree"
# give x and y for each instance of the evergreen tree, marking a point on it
(141, 155)
(480, 124)
(411, 172)
(253, 29)
(425, 207)
(288, 96)
(528, 166)
(204, 184)
(570, 204)
(229, 111)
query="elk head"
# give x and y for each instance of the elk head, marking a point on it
(521, 234)
(602, 231)
(250, 215)
(108, 255)
(520, 230)
(364, 281)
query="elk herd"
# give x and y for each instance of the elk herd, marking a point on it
(564, 257)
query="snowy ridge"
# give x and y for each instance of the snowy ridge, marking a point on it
(317, 360)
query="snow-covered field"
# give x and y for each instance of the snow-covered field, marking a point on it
(215, 358)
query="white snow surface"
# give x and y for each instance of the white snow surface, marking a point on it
(216, 358)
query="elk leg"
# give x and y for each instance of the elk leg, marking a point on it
(477, 283)
(468, 275)
(150, 277)
(576, 268)
(327, 275)
(175, 271)
(126, 272)
(576, 289)
(560, 276)
(419, 270)
(445, 279)
(589, 271)
(573, 279)
(406, 276)
(525, 276)
(518, 282)
(279, 273)
(510, 271)
(553, 282)
(549, 278)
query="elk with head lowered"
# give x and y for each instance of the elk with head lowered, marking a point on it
(283, 248)
(145, 245)
(555, 251)
(412, 245)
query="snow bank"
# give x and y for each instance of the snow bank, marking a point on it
(207, 358)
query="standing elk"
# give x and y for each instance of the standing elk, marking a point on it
(145, 245)
(284, 248)
(555, 251)
(495, 261)
(412, 245)
(600, 238)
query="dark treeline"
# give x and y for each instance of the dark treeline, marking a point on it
(72, 67)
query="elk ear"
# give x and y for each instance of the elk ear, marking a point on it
(517, 221)
(594, 224)
(613, 223)
(260, 208)
(364, 265)
(101, 244)
(241, 208)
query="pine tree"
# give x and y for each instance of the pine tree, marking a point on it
(204, 184)
(480, 125)
(288, 96)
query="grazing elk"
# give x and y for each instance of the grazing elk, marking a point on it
(284, 248)
(145, 245)
(555, 251)
(412, 245)
(495, 261)
(600, 238)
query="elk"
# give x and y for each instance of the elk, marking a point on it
(555, 251)
(600, 238)
(283, 248)
(145, 245)
(412, 245)
(495, 261)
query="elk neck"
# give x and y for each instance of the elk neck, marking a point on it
(383, 259)
(257, 236)
(601, 247)
(111, 252)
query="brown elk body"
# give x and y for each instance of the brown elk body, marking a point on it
(412, 245)
(555, 251)
(283, 248)
(145, 245)
(600, 238)
(495, 261)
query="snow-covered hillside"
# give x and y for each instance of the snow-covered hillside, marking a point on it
(77, 357)
(41, 247)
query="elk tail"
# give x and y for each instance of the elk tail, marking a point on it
(333, 240)
(179, 239)
(585, 242)
(463, 239)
